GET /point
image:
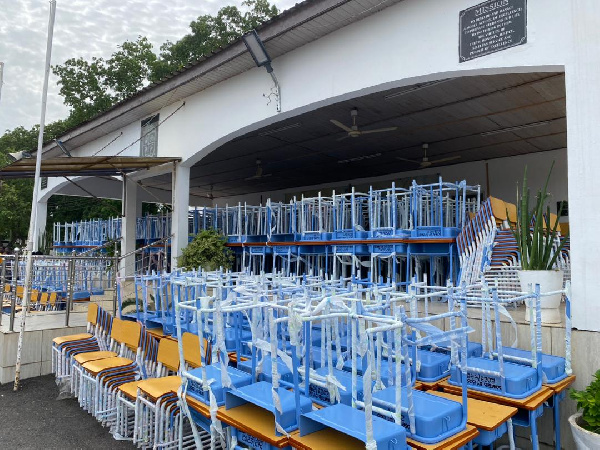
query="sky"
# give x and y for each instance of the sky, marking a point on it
(83, 28)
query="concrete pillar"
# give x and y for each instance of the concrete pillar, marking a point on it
(180, 204)
(583, 136)
(40, 223)
(131, 210)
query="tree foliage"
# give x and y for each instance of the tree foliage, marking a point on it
(210, 33)
(207, 251)
(588, 401)
(90, 87)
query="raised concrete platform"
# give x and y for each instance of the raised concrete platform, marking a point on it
(40, 329)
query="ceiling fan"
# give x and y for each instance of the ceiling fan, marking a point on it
(353, 130)
(210, 195)
(259, 172)
(426, 162)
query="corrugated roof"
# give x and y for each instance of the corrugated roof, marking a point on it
(82, 166)
(293, 28)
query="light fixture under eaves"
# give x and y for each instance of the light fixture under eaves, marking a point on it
(359, 158)
(262, 59)
(416, 87)
(18, 156)
(516, 128)
(61, 145)
(277, 130)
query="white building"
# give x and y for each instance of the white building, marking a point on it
(398, 62)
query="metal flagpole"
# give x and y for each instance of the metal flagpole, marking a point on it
(1, 77)
(36, 185)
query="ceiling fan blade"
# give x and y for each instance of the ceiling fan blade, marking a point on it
(341, 125)
(450, 158)
(258, 177)
(343, 137)
(379, 130)
(408, 160)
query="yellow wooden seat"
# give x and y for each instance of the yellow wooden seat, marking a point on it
(54, 296)
(191, 349)
(92, 318)
(157, 387)
(71, 338)
(44, 299)
(168, 357)
(97, 366)
(116, 336)
(498, 209)
(82, 358)
(511, 210)
(130, 389)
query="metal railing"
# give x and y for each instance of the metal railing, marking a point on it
(57, 282)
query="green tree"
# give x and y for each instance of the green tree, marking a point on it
(92, 87)
(207, 251)
(209, 33)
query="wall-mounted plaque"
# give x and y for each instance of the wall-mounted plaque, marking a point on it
(490, 27)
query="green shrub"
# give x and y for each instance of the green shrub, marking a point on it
(207, 251)
(589, 401)
(536, 244)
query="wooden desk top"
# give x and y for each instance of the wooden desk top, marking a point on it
(200, 407)
(156, 332)
(530, 403)
(481, 414)
(453, 442)
(561, 385)
(326, 439)
(416, 240)
(429, 385)
(255, 421)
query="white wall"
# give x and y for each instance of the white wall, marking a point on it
(413, 41)
(410, 42)
(504, 174)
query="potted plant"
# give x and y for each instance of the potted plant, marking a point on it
(539, 248)
(208, 251)
(585, 425)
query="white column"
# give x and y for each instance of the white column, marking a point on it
(131, 210)
(40, 223)
(180, 204)
(583, 136)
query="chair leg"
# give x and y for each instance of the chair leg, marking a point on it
(533, 424)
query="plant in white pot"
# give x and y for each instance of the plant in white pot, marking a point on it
(585, 425)
(539, 246)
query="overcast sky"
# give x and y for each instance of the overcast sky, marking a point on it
(83, 28)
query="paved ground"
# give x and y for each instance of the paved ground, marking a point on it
(33, 418)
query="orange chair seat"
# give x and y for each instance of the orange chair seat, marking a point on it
(97, 366)
(157, 387)
(82, 358)
(72, 337)
(130, 389)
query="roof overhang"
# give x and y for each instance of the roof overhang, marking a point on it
(293, 28)
(83, 166)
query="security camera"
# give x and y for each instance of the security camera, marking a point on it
(18, 156)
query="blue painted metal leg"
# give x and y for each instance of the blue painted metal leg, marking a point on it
(556, 411)
(534, 435)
